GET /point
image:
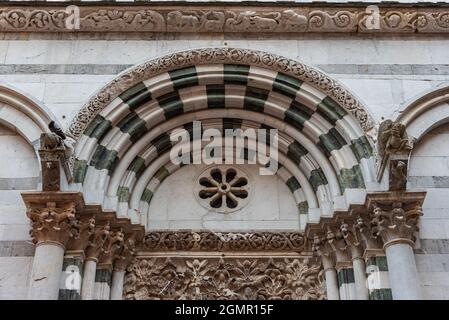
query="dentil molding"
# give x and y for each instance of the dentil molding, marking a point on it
(226, 18)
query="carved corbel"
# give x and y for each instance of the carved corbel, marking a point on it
(52, 223)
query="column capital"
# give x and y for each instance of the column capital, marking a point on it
(98, 241)
(113, 244)
(395, 216)
(126, 252)
(53, 223)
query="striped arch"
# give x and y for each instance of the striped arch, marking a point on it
(122, 154)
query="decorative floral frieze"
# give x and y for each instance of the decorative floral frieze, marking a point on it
(224, 278)
(224, 241)
(95, 18)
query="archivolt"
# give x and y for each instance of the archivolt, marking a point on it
(123, 151)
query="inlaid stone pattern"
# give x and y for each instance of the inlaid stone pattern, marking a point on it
(223, 241)
(195, 278)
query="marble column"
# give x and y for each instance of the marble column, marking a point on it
(396, 223)
(330, 273)
(87, 288)
(52, 225)
(404, 280)
(118, 277)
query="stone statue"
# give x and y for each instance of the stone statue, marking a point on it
(392, 138)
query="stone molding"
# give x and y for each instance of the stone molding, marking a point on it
(224, 278)
(204, 56)
(226, 19)
(224, 241)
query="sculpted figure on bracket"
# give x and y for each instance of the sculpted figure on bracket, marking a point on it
(392, 138)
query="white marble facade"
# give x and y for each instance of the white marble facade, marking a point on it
(61, 72)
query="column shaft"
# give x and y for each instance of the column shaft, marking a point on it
(46, 272)
(87, 289)
(103, 279)
(332, 284)
(361, 288)
(118, 277)
(404, 280)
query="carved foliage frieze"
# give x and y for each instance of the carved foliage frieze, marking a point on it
(208, 19)
(224, 278)
(224, 241)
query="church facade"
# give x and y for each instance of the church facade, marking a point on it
(228, 150)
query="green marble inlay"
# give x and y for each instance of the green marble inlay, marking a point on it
(361, 148)
(303, 207)
(380, 262)
(286, 85)
(97, 127)
(297, 114)
(133, 125)
(293, 184)
(104, 159)
(296, 151)
(345, 276)
(79, 170)
(381, 294)
(331, 110)
(66, 294)
(255, 99)
(172, 104)
(186, 77)
(232, 123)
(351, 178)
(317, 178)
(137, 166)
(146, 196)
(136, 96)
(161, 174)
(162, 143)
(235, 74)
(103, 275)
(215, 96)
(123, 194)
(332, 140)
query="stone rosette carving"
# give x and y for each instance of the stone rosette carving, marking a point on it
(199, 278)
(53, 224)
(181, 18)
(223, 241)
(204, 56)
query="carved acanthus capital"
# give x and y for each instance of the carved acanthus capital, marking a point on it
(126, 253)
(112, 246)
(352, 238)
(363, 226)
(396, 222)
(53, 223)
(86, 228)
(98, 241)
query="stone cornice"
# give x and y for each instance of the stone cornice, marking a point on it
(224, 18)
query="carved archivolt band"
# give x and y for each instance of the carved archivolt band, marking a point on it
(205, 56)
(224, 241)
(209, 19)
